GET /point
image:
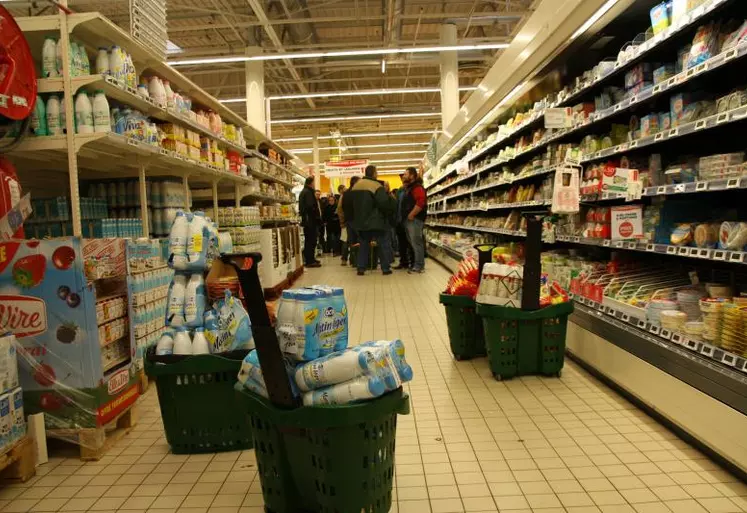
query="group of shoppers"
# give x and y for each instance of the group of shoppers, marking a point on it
(368, 211)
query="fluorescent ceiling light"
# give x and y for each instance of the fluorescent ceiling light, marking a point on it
(594, 18)
(414, 159)
(354, 118)
(352, 135)
(383, 66)
(337, 53)
(418, 152)
(359, 146)
(363, 92)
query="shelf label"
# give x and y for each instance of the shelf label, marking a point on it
(719, 255)
(693, 252)
(606, 243)
(729, 359)
(732, 183)
(731, 54)
(577, 239)
(665, 334)
(611, 312)
(654, 329)
(642, 324)
(658, 137)
(701, 68)
(662, 189)
(722, 118)
(618, 244)
(736, 256)
(649, 247)
(700, 125)
(674, 132)
(632, 245)
(676, 338)
(671, 250)
(657, 88)
(691, 344)
(679, 188)
(625, 317)
(701, 186)
(683, 251)
(707, 349)
(704, 253)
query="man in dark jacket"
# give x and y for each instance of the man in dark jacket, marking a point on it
(415, 207)
(311, 220)
(332, 222)
(369, 207)
(405, 249)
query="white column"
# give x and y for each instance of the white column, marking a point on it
(317, 165)
(255, 90)
(449, 76)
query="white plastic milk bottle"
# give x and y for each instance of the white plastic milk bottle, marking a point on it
(175, 312)
(178, 241)
(199, 342)
(197, 240)
(195, 300)
(182, 342)
(362, 387)
(165, 343)
(83, 114)
(101, 119)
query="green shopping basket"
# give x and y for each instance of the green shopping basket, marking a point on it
(326, 459)
(199, 407)
(466, 336)
(525, 342)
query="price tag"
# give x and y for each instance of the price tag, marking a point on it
(674, 132)
(729, 359)
(671, 250)
(676, 338)
(132, 142)
(736, 256)
(606, 243)
(732, 183)
(657, 88)
(665, 334)
(719, 255)
(700, 125)
(722, 118)
(577, 239)
(658, 137)
(701, 186)
(691, 344)
(672, 82)
(707, 349)
(701, 68)
(617, 107)
(654, 329)
(679, 188)
(662, 189)
(649, 247)
(642, 324)
(690, 73)
(682, 251)
(625, 317)
(632, 245)
(704, 253)
(731, 54)
(693, 252)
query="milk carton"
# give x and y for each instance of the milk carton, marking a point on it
(334, 298)
(6, 422)
(8, 363)
(18, 427)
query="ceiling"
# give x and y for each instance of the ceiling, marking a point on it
(211, 28)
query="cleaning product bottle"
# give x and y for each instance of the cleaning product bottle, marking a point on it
(182, 343)
(178, 241)
(199, 342)
(175, 311)
(74, 59)
(102, 62)
(53, 115)
(197, 239)
(101, 114)
(39, 118)
(83, 114)
(58, 58)
(49, 58)
(195, 299)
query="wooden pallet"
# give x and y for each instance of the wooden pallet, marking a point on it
(18, 462)
(95, 442)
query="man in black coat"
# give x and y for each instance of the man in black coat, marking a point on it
(311, 220)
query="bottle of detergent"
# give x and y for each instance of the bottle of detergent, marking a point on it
(53, 115)
(49, 58)
(101, 114)
(83, 114)
(102, 62)
(39, 118)
(199, 342)
(195, 299)
(182, 342)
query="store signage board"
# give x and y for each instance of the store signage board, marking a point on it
(345, 168)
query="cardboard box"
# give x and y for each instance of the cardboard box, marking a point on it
(18, 427)
(627, 222)
(615, 179)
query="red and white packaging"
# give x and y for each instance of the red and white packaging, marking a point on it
(627, 222)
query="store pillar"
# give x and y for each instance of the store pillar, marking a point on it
(255, 91)
(449, 76)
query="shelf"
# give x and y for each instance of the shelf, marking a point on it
(498, 231)
(207, 194)
(736, 365)
(497, 206)
(448, 249)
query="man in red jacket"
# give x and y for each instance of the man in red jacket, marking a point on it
(415, 207)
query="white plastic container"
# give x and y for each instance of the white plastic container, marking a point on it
(182, 342)
(101, 113)
(178, 240)
(336, 368)
(157, 91)
(102, 62)
(117, 64)
(195, 300)
(165, 344)
(169, 94)
(197, 240)
(361, 388)
(199, 342)
(286, 324)
(49, 58)
(175, 311)
(53, 115)
(83, 114)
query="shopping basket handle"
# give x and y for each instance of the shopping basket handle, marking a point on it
(265, 338)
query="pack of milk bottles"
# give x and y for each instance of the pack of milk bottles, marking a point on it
(193, 325)
(312, 330)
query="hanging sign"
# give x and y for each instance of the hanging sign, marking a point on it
(345, 168)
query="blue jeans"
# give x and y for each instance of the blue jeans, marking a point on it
(414, 231)
(384, 242)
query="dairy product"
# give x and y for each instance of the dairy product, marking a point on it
(101, 114)
(169, 94)
(102, 62)
(286, 323)
(39, 118)
(199, 342)
(358, 389)
(182, 342)
(336, 368)
(18, 426)
(83, 114)
(117, 64)
(175, 310)
(393, 369)
(234, 329)
(178, 241)
(53, 115)
(335, 319)
(165, 344)
(49, 58)
(198, 237)
(195, 299)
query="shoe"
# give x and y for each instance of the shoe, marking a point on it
(402, 266)
(343, 263)
(361, 273)
(315, 264)
(386, 273)
(415, 271)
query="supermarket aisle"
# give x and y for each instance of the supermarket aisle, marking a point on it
(471, 444)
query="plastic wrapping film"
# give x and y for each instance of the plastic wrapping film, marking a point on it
(65, 301)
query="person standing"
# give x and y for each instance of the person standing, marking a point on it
(405, 249)
(415, 206)
(311, 220)
(369, 209)
(351, 236)
(320, 203)
(332, 221)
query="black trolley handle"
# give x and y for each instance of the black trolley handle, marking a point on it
(265, 339)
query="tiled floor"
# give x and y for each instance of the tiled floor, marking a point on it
(471, 443)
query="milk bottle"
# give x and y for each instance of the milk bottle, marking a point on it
(101, 114)
(286, 325)
(334, 297)
(306, 317)
(335, 368)
(16, 414)
(165, 344)
(53, 115)
(199, 342)
(360, 388)
(325, 324)
(182, 343)
(178, 241)
(102, 62)
(177, 291)
(197, 240)
(195, 299)
(49, 58)
(117, 64)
